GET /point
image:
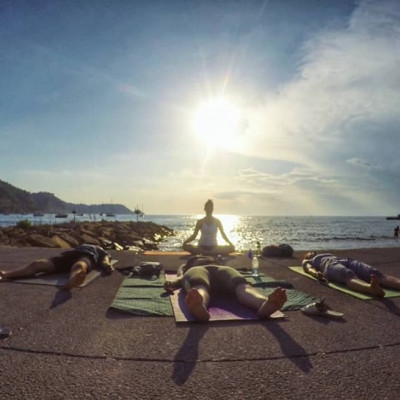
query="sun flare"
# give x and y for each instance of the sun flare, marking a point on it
(218, 123)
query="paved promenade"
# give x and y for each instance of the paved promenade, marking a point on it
(71, 346)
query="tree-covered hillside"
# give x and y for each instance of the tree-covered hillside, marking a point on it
(18, 201)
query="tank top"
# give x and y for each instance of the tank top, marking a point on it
(208, 235)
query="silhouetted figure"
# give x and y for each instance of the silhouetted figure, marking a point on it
(208, 228)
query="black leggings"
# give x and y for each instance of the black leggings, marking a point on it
(216, 278)
(65, 263)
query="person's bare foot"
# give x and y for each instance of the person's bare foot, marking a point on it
(195, 304)
(376, 286)
(274, 303)
(76, 279)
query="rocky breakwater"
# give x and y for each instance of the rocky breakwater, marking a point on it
(134, 236)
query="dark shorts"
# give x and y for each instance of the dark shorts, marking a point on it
(217, 279)
(65, 263)
(345, 269)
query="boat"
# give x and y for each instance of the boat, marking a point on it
(110, 215)
(38, 214)
(60, 215)
(394, 217)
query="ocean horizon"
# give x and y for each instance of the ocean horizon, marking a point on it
(300, 232)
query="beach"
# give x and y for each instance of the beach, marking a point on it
(70, 345)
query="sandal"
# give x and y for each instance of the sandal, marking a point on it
(319, 308)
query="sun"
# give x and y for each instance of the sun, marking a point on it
(218, 122)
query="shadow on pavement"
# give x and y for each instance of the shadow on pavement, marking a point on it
(290, 348)
(186, 358)
(61, 297)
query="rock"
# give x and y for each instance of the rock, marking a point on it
(109, 234)
(89, 239)
(69, 239)
(62, 244)
(37, 240)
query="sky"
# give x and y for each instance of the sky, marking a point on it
(280, 107)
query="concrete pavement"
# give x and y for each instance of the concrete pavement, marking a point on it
(71, 346)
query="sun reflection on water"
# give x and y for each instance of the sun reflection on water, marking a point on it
(231, 225)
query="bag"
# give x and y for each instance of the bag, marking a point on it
(147, 269)
(281, 250)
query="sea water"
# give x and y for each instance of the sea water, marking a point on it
(300, 232)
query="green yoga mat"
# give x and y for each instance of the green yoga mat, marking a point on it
(146, 297)
(143, 296)
(345, 289)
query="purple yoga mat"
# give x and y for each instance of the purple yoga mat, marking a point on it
(220, 309)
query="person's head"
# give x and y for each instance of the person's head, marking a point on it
(197, 261)
(209, 207)
(310, 255)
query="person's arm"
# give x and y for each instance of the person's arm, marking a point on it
(195, 232)
(308, 268)
(171, 286)
(223, 234)
(106, 264)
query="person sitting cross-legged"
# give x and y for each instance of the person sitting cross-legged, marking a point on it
(208, 228)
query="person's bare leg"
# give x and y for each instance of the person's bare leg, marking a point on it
(77, 275)
(197, 300)
(390, 282)
(42, 265)
(252, 298)
(373, 288)
(275, 302)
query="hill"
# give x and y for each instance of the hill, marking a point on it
(19, 201)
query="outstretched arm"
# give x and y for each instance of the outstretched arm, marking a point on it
(308, 268)
(171, 286)
(106, 264)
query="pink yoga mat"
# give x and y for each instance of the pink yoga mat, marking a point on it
(221, 309)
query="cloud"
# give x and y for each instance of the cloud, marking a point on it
(339, 111)
(361, 163)
(297, 177)
(347, 85)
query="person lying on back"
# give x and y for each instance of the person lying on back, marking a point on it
(355, 274)
(201, 278)
(78, 262)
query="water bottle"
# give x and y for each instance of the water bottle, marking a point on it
(255, 266)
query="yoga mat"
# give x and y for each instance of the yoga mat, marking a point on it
(178, 253)
(143, 296)
(165, 253)
(345, 289)
(56, 279)
(229, 309)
